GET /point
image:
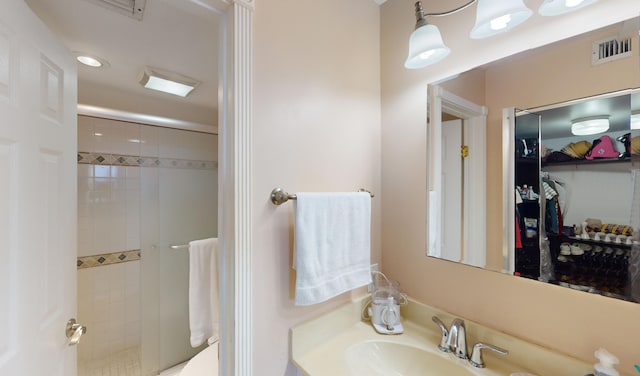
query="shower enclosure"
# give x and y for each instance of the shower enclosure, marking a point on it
(141, 190)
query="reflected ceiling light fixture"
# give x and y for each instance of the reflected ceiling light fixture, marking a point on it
(167, 82)
(557, 7)
(495, 17)
(91, 60)
(590, 125)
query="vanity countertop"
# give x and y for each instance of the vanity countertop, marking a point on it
(320, 346)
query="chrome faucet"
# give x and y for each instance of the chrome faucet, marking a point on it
(457, 340)
(476, 354)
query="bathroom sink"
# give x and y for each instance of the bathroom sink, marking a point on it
(391, 359)
(339, 343)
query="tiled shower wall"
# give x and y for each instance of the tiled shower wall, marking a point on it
(112, 158)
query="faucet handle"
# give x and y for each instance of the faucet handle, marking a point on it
(476, 353)
(445, 334)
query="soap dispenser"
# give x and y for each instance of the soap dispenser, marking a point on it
(607, 361)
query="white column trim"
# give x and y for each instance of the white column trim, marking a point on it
(236, 205)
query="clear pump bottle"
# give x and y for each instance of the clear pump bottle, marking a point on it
(607, 361)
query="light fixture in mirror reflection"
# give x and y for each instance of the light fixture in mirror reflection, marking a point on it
(554, 82)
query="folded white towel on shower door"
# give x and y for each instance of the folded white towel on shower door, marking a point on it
(332, 244)
(203, 290)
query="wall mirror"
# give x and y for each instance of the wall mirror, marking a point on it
(564, 81)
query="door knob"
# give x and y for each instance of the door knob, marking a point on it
(74, 331)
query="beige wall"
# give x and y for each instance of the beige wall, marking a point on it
(562, 319)
(470, 85)
(316, 128)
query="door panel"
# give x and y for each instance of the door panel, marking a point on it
(38, 137)
(452, 190)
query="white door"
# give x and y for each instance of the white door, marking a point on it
(474, 193)
(452, 186)
(38, 99)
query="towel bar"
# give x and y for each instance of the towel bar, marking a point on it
(181, 246)
(278, 196)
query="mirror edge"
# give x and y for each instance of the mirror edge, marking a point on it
(508, 177)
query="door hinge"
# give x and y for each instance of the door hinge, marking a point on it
(464, 151)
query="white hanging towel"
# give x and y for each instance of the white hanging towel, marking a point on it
(332, 244)
(203, 290)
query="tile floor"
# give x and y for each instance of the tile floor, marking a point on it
(123, 363)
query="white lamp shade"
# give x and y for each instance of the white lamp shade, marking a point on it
(557, 7)
(495, 17)
(589, 126)
(425, 47)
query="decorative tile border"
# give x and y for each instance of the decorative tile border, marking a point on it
(108, 259)
(140, 161)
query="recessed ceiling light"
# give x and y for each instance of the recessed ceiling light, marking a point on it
(91, 60)
(167, 82)
(590, 125)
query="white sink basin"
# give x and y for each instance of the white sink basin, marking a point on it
(382, 358)
(339, 343)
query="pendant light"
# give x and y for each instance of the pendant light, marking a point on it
(556, 7)
(425, 44)
(492, 17)
(495, 17)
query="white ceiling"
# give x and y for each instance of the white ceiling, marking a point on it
(556, 121)
(174, 35)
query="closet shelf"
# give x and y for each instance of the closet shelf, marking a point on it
(596, 242)
(580, 162)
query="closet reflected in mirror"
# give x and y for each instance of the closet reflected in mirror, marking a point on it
(573, 193)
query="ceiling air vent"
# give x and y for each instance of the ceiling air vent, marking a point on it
(131, 8)
(610, 49)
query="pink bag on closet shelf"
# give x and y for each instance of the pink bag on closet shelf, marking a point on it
(602, 148)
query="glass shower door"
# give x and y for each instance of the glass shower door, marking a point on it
(178, 204)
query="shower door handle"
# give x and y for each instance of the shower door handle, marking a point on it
(74, 331)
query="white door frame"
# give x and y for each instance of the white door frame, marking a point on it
(235, 172)
(508, 189)
(474, 120)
